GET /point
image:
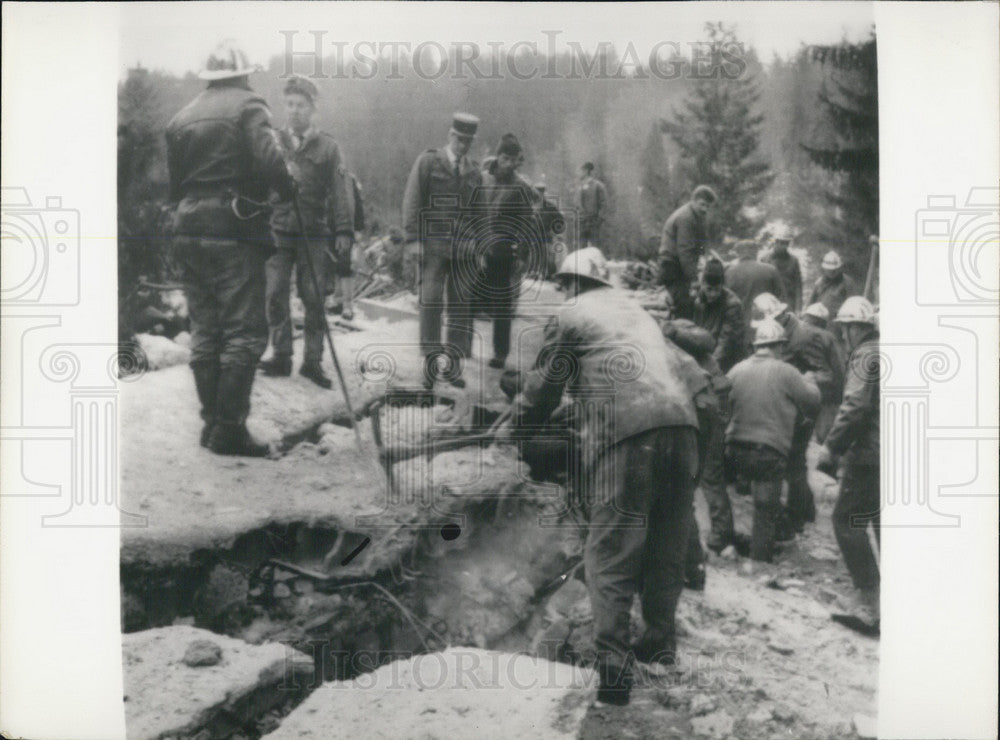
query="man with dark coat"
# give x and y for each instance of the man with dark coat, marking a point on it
(438, 194)
(854, 439)
(638, 435)
(788, 269)
(684, 241)
(748, 278)
(315, 161)
(817, 317)
(720, 312)
(591, 202)
(223, 163)
(833, 287)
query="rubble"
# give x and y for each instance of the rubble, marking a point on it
(202, 653)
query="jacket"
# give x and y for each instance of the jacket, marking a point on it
(790, 273)
(322, 179)
(612, 358)
(220, 146)
(833, 293)
(807, 350)
(592, 198)
(684, 240)
(726, 322)
(436, 203)
(855, 429)
(767, 397)
(748, 278)
(511, 221)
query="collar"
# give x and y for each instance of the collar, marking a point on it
(307, 135)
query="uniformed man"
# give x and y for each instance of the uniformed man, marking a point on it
(720, 312)
(768, 395)
(788, 268)
(439, 189)
(639, 439)
(223, 162)
(833, 287)
(806, 350)
(854, 438)
(315, 161)
(683, 243)
(817, 317)
(748, 278)
(591, 202)
(510, 235)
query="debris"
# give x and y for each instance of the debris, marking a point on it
(202, 653)
(717, 725)
(281, 591)
(761, 714)
(702, 704)
(781, 649)
(783, 715)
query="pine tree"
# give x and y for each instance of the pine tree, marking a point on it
(844, 141)
(718, 134)
(657, 195)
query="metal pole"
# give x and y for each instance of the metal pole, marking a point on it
(329, 337)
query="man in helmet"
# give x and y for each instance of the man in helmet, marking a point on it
(638, 434)
(748, 278)
(223, 163)
(317, 164)
(768, 395)
(787, 266)
(833, 287)
(806, 350)
(718, 310)
(438, 190)
(854, 439)
(817, 317)
(684, 241)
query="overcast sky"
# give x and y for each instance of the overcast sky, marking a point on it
(176, 37)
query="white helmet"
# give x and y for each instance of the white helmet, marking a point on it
(819, 311)
(766, 306)
(831, 260)
(768, 331)
(227, 60)
(589, 263)
(783, 233)
(857, 310)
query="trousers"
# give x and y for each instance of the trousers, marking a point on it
(445, 286)
(857, 505)
(765, 468)
(801, 505)
(291, 253)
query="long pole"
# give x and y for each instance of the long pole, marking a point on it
(318, 290)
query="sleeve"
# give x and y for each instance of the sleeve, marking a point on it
(796, 287)
(777, 285)
(859, 402)
(340, 201)
(731, 334)
(818, 361)
(544, 383)
(413, 200)
(667, 242)
(256, 123)
(804, 393)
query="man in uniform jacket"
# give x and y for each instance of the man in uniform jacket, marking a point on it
(315, 161)
(684, 241)
(512, 234)
(788, 269)
(748, 278)
(854, 439)
(720, 312)
(592, 202)
(833, 287)
(223, 163)
(438, 194)
(638, 436)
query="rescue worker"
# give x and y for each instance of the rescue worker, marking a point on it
(817, 317)
(510, 236)
(720, 312)
(223, 162)
(639, 440)
(591, 203)
(833, 287)
(553, 228)
(438, 190)
(788, 268)
(684, 241)
(854, 439)
(748, 278)
(806, 351)
(315, 161)
(767, 397)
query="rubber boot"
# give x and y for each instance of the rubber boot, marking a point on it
(277, 366)
(206, 381)
(230, 435)
(616, 684)
(762, 537)
(656, 646)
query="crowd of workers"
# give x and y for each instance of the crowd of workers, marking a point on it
(726, 382)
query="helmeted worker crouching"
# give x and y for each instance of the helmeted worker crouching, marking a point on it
(223, 163)
(638, 434)
(766, 398)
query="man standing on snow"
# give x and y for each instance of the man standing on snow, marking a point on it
(223, 162)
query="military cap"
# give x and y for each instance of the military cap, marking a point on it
(464, 124)
(301, 86)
